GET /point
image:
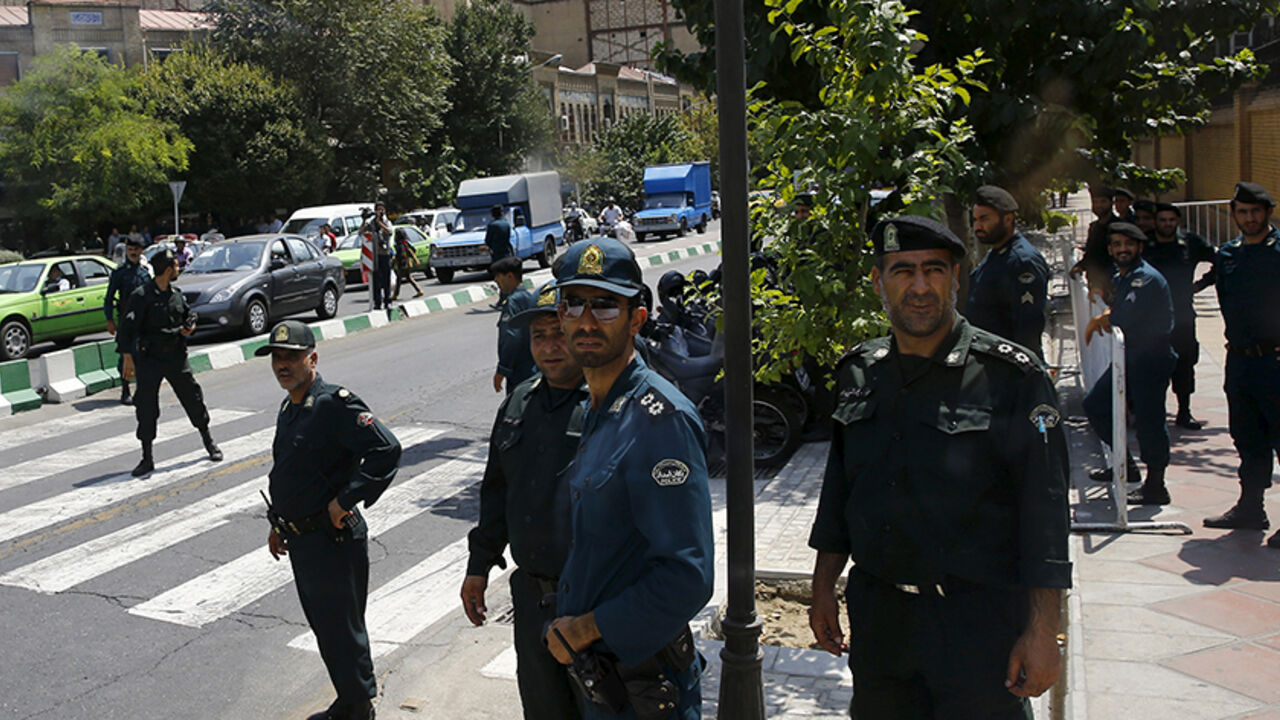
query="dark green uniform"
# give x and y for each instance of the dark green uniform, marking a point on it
(331, 446)
(150, 330)
(515, 360)
(524, 501)
(946, 483)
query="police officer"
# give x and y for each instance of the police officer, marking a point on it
(1144, 216)
(497, 234)
(1141, 306)
(642, 560)
(1009, 288)
(946, 483)
(152, 341)
(1175, 254)
(515, 363)
(129, 276)
(1122, 200)
(1096, 262)
(1248, 279)
(524, 501)
(329, 454)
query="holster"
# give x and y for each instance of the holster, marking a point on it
(646, 687)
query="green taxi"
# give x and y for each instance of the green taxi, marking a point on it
(34, 309)
(349, 252)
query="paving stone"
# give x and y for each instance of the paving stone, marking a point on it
(1244, 667)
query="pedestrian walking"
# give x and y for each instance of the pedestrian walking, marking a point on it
(152, 339)
(946, 484)
(1009, 289)
(127, 277)
(642, 561)
(515, 362)
(524, 502)
(1142, 306)
(497, 234)
(330, 453)
(1176, 253)
(1246, 271)
(406, 258)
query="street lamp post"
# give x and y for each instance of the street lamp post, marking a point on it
(741, 681)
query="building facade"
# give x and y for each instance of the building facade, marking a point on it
(587, 100)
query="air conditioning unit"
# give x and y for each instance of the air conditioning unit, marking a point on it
(564, 123)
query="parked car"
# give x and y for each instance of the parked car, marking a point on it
(344, 218)
(33, 311)
(153, 249)
(246, 283)
(433, 223)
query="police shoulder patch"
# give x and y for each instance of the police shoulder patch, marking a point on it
(655, 403)
(670, 472)
(1138, 282)
(365, 419)
(1027, 278)
(995, 346)
(1045, 416)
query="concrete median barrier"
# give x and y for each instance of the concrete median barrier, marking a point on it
(16, 393)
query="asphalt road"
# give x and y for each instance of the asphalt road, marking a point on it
(156, 597)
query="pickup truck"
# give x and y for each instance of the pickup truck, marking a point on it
(676, 198)
(531, 204)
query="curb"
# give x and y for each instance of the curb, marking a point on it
(16, 393)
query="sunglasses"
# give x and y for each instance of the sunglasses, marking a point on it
(604, 309)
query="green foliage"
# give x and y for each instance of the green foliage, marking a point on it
(373, 73)
(79, 146)
(498, 115)
(881, 123)
(614, 165)
(701, 125)
(8, 256)
(255, 147)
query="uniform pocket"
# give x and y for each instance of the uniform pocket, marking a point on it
(958, 418)
(847, 413)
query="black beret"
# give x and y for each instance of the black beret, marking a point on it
(1145, 206)
(1247, 192)
(1126, 193)
(910, 232)
(995, 198)
(1168, 207)
(1128, 230)
(1101, 191)
(131, 241)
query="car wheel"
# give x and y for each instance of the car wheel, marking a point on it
(15, 340)
(328, 303)
(548, 253)
(255, 318)
(702, 226)
(684, 227)
(444, 275)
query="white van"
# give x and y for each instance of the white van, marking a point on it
(344, 219)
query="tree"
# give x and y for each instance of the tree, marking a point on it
(498, 116)
(79, 147)
(613, 166)
(701, 124)
(254, 146)
(373, 73)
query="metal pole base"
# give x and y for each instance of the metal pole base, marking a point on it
(1182, 528)
(741, 678)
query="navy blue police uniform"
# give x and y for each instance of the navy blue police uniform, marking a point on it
(946, 484)
(497, 235)
(642, 558)
(330, 445)
(1248, 282)
(1142, 307)
(515, 361)
(1008, 292)
(524, 502)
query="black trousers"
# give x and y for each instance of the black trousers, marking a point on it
(1253, 414)
(333, 584)
(381, 281)
(925, 657)
(545, 689)
(1184, 343)
(146, 399)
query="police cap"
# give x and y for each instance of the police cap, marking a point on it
(163, 260)
(132, 241)
(1145, 206)
(603, 263)
(1125, 193)
(1168, 207)
(288, 335)
(909, 232)
(1128, 230)
(1253, 193)
(544, 305)
(996, 198)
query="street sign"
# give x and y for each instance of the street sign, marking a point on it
(176, 186)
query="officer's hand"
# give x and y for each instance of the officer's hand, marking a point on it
(824, 620)
(580, 631)
(473, 587)
(127, 371)
(1034, 664)
(187, 329)
(1098, 325)
(111, 326)
(277, 545)
(497, 382)
(337, 514)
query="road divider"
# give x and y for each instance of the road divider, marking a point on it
(16, 393)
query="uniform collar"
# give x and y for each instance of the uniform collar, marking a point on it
(318, 386)
(954, 349)
(1013, 240)
(623, 386)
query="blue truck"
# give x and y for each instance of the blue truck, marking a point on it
(676, 197)
(531, 202)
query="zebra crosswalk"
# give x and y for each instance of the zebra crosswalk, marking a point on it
(69, 519)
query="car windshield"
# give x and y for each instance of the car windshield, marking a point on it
(20, 278)
(472, 220)
(228, 257)
(304, 226)
(664, 200)
(349, 242)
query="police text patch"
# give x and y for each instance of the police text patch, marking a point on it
(670, 472)
(1026, 278)
(364, 419)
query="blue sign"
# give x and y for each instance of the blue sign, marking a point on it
(81, 17)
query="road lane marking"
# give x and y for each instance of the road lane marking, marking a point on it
(34, 432)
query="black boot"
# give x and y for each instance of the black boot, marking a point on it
(1246, 514)
(125, 397)
(1133, 473)
(339, 711)
(1184, 419)
(1274, 541)
(146, 465)
(215, 453)
(1153, 491)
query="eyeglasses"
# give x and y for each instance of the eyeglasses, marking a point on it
(604, 309)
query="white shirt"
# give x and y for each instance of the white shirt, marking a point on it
(610, 215)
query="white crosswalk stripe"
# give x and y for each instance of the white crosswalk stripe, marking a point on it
(232, 586)
(61, 462)
(19, 436)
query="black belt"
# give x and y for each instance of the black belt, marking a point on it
(1261, 350)
(547, 585)
(949, 585)
(312, 523)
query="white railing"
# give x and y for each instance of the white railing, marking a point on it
(1210, 219)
